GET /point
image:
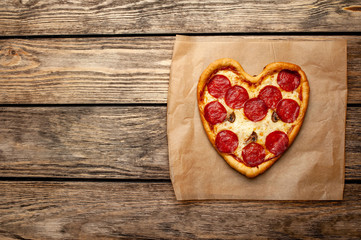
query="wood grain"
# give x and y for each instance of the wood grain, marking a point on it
(90, 70)
(58, 17)
(118, 54)
(90, 142)
(109, 70)
(106, 142)
(353, 141)
(98, 210)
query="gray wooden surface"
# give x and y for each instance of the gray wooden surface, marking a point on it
(110, 69)
(83, 144)
(58, 17)
(148, 210)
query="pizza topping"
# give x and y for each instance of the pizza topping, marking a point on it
(288, 80)
(288, 110)
(277, 142)
(231, 118)
(271, 95)
(251, 121)
(255, 109)
(252, 138)
(226, 141)
(236, 96)
(215, 112)
(275, 117)
(253, 154)
(218, 86)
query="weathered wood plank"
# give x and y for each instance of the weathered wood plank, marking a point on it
(108, 70)
(91, 142)
(95, 70)
(90, 210)
(54, 17)
(106, 142)
(353, 142)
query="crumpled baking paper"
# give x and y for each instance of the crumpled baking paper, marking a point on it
(311, 169)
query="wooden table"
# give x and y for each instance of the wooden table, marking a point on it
(83, 145)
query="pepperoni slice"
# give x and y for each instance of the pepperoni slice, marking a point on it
(218, 86)
(236, 96)
(277, 142)
(253, 154)
(226, 141)
(271, 96)
(255, 109)
(215, 112)
(288, 110)
(288, 80)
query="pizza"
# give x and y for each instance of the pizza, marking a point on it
(252, 120)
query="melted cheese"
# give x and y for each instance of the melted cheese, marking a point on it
(244, 127)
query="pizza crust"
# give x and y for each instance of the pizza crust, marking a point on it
(234, 66)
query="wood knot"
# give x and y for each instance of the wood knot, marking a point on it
(9, 57)
(16, 59)
(353, 8)
(28, 2)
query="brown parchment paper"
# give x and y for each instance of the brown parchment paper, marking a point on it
(311, 169)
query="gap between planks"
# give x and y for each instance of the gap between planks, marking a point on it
(248, 34)
(113, 180)
(105, 180)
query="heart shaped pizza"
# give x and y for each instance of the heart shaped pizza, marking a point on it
(252, 120)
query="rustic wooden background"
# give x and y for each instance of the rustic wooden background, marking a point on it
(83, 145)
